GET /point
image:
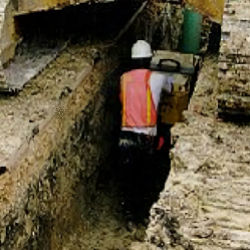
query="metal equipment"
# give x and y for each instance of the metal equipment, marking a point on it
(182, 68)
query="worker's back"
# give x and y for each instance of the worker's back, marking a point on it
(140, 96)
(138, 109)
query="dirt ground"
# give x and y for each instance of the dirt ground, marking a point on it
(103, 224)
(112, 219)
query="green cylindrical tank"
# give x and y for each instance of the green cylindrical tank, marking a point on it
(191, 32)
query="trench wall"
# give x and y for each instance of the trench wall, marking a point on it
(49, 182)
(234, 63)
(50, 179)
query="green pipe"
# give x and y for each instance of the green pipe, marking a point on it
(191, 33)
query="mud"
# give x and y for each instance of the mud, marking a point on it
(103, 224)
(58, 149)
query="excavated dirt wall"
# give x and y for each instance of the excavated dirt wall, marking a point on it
(234, 64)
(50, 178)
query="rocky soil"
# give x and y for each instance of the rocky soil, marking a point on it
(205, 202)
(55, 138)
(234, 66)
(103, 224)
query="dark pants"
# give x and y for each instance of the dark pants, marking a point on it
(138, 171)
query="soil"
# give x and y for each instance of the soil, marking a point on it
(103, 224)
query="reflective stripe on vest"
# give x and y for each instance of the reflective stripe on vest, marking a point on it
(138, 108)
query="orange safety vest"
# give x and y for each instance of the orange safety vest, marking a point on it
(138, 108)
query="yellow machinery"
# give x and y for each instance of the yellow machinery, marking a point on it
(211, 8)
(182, 68)
(173, 105)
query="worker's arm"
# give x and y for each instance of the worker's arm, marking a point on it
(168, 83)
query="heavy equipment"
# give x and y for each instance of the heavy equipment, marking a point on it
(27, 65)
(182, 68)
(210, 8)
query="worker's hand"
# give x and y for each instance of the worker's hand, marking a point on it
(160, 143)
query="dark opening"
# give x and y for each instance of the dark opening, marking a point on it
(214, 38)
(84, 21)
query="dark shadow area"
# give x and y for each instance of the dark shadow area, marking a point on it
(136, 185)
(133, 187)
(240, 117)
(81, 22)
(214, 38)
(142, 175)
(194, 79)
(46, 34)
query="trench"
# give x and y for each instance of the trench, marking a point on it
(100, 218)
(109, 217)
(103, 217)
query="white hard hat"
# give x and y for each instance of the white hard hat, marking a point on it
(141, 49)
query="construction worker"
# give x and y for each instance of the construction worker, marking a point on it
(140, 91)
